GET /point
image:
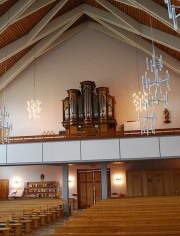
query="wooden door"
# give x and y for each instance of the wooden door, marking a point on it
(4, 189)
(155, 183)
(85, 189)
(89, 187)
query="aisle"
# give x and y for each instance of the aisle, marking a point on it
(47, 229)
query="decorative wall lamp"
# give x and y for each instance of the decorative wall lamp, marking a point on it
(71, 181)
(118, 179)
(16, 182)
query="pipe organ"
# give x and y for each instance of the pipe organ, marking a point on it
(89, 109)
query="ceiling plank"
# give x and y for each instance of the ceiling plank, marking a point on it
(120, 14)
(158, 36)
(155, 10)
(33, 8)
(21, 43)
(126, 2)
(38, 27)
(32, 54)
(13, 13)
(143, 45)
(106, 16)
(3, 1)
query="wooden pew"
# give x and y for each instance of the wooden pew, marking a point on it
(6, 221)
(116, 229)
(33, 213)
(115, 234)
(140, 216)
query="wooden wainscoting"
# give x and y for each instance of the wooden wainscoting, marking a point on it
(153, 182)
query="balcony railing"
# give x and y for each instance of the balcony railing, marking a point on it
(79, 136)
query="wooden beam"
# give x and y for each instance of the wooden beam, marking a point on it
(33, 53)
(53, 25)
(10, 15)
(144, 46)
(37, 5)
(158, 36)
(38, 27)
(120, 14)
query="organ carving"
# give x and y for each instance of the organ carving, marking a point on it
(89, 109)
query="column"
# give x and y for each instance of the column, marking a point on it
(65, 188)
(104, 180)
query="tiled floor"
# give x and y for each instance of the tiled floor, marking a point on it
(50, 228)
(46, 229)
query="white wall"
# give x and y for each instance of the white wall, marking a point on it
(89, 55)
(30, 173)
(53, 173)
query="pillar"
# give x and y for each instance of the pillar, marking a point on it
(104, 180)
(65, 188)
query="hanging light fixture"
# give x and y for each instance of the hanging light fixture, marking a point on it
(145, 101)
(145, 106)
(172, 13)
(5, 125)
(157, 84)
(33, 105)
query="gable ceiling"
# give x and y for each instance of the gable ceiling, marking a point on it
(32, 27)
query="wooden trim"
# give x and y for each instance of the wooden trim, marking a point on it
(80, 136)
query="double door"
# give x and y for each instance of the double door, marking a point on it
(89, 187)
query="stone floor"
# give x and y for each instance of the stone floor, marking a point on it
(50, 228)
(47, 229)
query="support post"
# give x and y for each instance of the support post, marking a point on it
(104, 180)
(65, 188)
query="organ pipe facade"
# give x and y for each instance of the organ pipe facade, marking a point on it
(89, 109)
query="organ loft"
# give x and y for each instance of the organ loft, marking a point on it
(88, 110)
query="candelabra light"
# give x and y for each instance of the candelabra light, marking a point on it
(147, 121)
(33, 105)
(5, 126)
(172, 13)
(144, 107)
(34, 108)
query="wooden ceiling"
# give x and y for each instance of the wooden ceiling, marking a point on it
(32, 27)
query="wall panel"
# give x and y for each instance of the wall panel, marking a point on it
(2, 154)
(100, 149)
(24, 153)
(61, 151)
(170, 146)
(135, 148)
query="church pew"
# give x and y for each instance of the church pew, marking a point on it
(6, 221)
(116, 229)
(163, 233)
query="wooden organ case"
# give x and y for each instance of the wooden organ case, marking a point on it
(88, 110)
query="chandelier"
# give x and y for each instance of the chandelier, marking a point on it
(172, 13)
(33, 105)
(155, 66)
